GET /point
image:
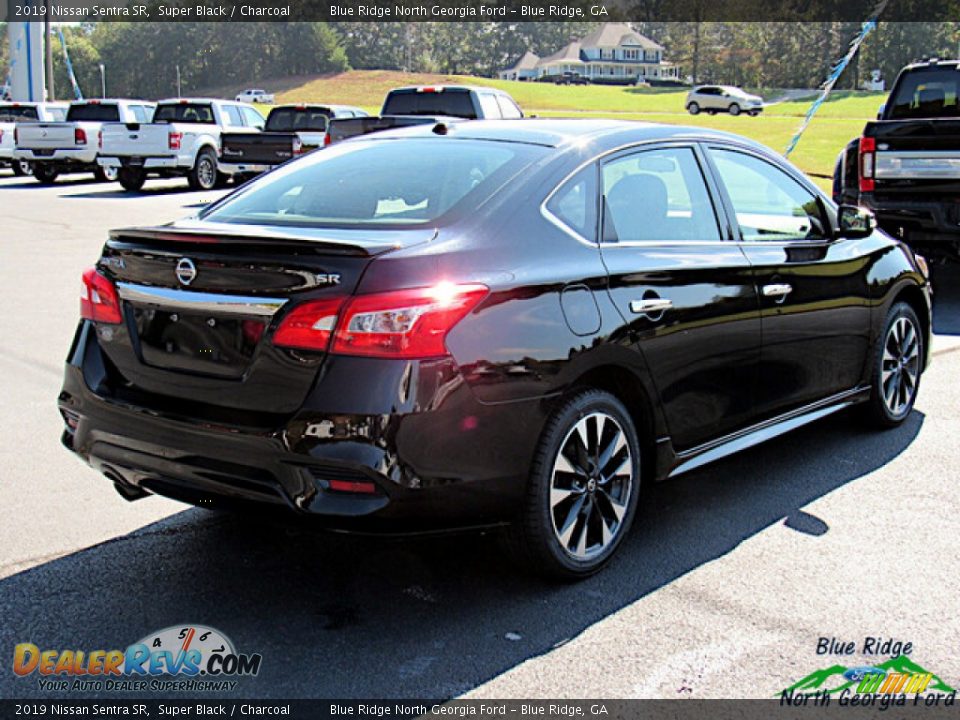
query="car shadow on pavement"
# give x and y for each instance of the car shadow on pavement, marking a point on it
(115, 192)
(338, 616)
(945, 280)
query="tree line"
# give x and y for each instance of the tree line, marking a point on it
(141, 59)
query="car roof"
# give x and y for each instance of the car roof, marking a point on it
(602, 134)
(441, 86)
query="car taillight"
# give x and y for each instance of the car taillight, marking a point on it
(174, 140)
(404, 323)
(98, 298)
(297, 146)
(309, 326)
(79, 136)
(326, 139)
(868, 154)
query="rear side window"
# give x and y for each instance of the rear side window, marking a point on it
(377, 183)
(657, 195)
(184, 113)
(575, 203)
(9, 113)
(769, 204)
(294, 119)
(456, 103)
(232, 115)
(926, 94)
(93, 112)
(252, 118)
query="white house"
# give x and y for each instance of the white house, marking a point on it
(614, 52)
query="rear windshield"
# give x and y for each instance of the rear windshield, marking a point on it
(93, 112)
(455, 103)
(9, 113)
(925, 94)
(293, 119)
(184, 113)
(410, 182)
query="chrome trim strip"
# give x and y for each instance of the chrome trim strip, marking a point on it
(928, 164)
(764, 431)
(200, 302)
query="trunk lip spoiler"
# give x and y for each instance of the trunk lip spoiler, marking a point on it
(253, 234)
(200, 302)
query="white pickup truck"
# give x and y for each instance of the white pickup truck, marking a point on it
(255, 95)
(182, 140)
(72, 145)
(12, 116)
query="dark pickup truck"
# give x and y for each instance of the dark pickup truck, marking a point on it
(906, 166)
(290, 130)
(425, 104)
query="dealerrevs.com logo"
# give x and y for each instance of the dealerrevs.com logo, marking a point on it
(185, 657)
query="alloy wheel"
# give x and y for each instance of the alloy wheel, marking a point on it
(206, 173)
(900, 368)
(593, 476)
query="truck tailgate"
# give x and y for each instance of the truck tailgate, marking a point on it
(46, 136)
(136, 140)
(916, 150)
(266, 148)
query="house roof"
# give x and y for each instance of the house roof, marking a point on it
(569, 54)
(528, 61)
(611, 35)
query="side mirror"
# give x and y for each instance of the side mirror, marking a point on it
(880, 111)
(855, 222)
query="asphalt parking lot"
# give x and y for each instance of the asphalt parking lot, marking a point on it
(729, 578)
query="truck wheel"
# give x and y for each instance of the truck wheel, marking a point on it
(222, 180)
(131, 179)
(583, 488)
(203, 175)
(45, 174)
(693, 108)
(21, 168)
(103, 174)
(734, 109)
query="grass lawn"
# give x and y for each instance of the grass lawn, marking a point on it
(838, 120)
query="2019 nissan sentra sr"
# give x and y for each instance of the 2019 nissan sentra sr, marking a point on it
(486, 323)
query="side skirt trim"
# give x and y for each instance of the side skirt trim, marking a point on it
(767, 430)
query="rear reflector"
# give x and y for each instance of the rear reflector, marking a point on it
(79, 136)
(352, 486)
(868, 149)
(309, 326)
(405, 323)
(98, 299)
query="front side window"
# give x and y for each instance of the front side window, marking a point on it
(657, 195)
(406, 182)
(769, 204)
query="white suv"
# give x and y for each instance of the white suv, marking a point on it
(712, 99)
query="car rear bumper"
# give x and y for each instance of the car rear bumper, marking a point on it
(441, 461)
(916, 221)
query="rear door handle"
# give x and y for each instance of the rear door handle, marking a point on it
(777, 290)
(650, 305)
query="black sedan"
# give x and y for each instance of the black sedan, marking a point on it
(507, 323)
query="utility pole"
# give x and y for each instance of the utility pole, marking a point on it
(178, 81)
(51, 92)
(103, 81)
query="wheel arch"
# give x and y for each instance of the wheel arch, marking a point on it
(913, 295)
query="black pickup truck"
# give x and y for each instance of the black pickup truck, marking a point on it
(290, 130)
(425, 104)
(906, 166)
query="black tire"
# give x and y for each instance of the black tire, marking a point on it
(222, 180)
(21, 168)
(203, 174)
(754, 113)
(131, 179)
(102, 174)
(734, 109)
(693, 108)
(896, 368)
(581, 503)
(45, 174)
